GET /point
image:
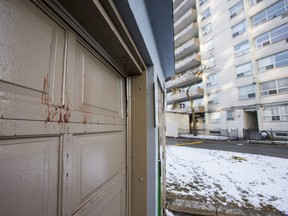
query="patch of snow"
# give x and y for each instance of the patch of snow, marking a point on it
(168, 213)
(258, 180)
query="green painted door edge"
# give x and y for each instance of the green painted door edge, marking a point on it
(159, 188)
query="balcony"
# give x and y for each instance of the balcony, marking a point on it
(260, 6)
(189, 17)
(277, 21)
(187, 63)
(184, 80)
(194, 94)
(176, 3)
(198, 109)
(254, 2)
(270, 49)
(182, 8)
(186, 48)
(186, 34)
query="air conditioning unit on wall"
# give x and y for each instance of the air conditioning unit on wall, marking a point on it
(266, 43)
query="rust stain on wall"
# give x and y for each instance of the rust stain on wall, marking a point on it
(84, 118)
(66, 117)
(48, 118)
(60, 118)
(45, 95)
(63, 118)
(67, 114)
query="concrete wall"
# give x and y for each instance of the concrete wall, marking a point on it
(171, 129)
(181, 119)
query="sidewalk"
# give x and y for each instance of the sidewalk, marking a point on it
(208, 137)
(224, 138)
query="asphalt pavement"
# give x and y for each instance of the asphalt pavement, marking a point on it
(242, 146)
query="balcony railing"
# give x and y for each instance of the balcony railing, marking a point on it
(189, 17)
(186, 48)
(194, 94)
(176, 3)
(187, 63)
(189, 32)
(254, 2)
(184, 80)
(197, 109)
(182, 8)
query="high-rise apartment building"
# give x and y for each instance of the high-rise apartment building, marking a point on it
(244, 45)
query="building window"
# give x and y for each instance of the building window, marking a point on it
(274, 61)
(236, 9)
(169, 107)
(206, 29)
(270, 13)
(213, 98)
(211, 80)
(214, 117)
(230, 115)
(210, 62)
(244, 70)
(247, 92)
(205, 13)
(201, 2)
(273, 36)
(208, 45)
(239, 29)
(281, 134)
(182, 105)
(274, 87)
(198, 102)
(182, 90)
(276, 113)
(241, 48)
(254, 2)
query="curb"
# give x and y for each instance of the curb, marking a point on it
(268, 142)
(207, 209)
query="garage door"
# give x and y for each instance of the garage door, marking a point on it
(62, 120)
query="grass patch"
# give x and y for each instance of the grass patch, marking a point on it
(238, 158)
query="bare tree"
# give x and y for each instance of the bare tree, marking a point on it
(192, 117)
(206, 66)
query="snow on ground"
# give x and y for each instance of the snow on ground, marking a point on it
(254, 179)
(168, 213)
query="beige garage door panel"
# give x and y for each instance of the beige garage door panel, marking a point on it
(42, 65)
(31, 59)
(111, 203)
(97, 88)
(98, 161)
(116, 207)
(28, 176)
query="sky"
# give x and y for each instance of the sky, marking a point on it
(236, 177)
